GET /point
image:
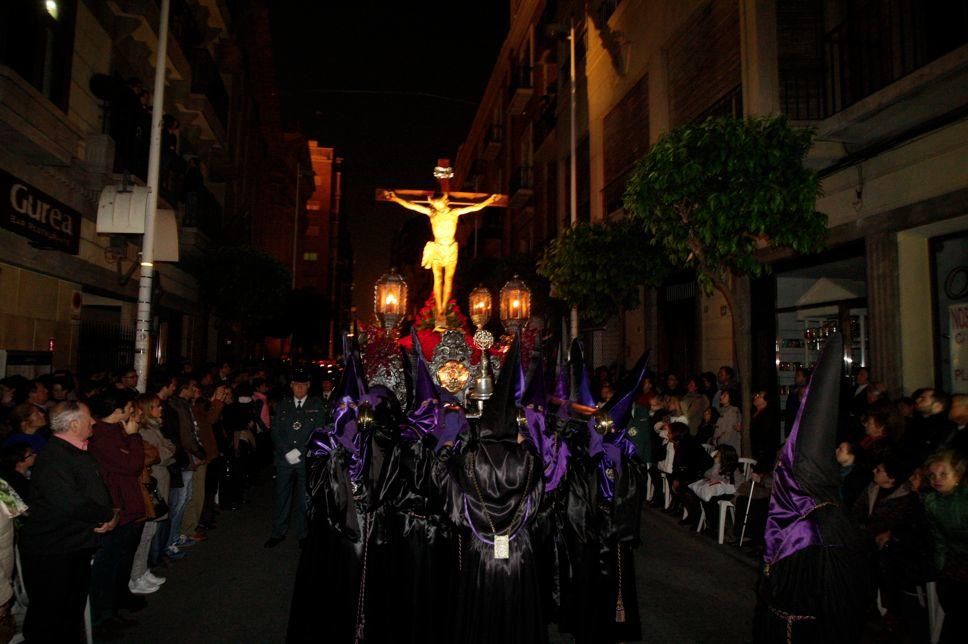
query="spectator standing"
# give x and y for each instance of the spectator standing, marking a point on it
(763, 430)
(725, 381)
(296, 417)
(800, 379)
(957, 438)
(928, 428)
(730, 423)
(854, 476)
(694, 404)
(707, 428)
(119, 451)
(142, 579)
(947, 509)
(69, 508)
(28, 423)
(191, 444)
(16, 462)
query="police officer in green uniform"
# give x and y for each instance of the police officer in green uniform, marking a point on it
(296, 418)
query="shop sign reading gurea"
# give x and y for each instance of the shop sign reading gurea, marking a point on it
(37, 216)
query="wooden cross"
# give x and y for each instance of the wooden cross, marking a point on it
(443, 172)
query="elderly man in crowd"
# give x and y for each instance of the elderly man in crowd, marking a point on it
(69, 507)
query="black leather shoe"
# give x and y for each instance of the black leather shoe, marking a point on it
(272, 542)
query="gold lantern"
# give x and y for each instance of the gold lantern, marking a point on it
(515, 304)
(390, 298)
(480, 305)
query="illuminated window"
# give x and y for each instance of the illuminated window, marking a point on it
(311, 257)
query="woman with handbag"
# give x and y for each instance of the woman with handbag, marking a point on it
(159, 454)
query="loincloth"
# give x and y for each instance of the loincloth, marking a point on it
(437, 254)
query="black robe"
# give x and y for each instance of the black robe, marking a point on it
(820, 594)
(340, 582)
(422, 554)
(498, 600)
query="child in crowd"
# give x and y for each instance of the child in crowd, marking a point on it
(947, 510)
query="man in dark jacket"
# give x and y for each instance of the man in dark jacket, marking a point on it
(69, 507)
(296, 418)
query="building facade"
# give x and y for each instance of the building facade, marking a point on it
(75, 102)
(882, 82)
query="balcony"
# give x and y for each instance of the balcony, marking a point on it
(201, 223)
(888, 66)
(208, 93)
(493, 141)
(521, 89)
(547, 119)
(31, 126)
(522, 186)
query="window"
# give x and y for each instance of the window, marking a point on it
(311, 257)
(37, 42)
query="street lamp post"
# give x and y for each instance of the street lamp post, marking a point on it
(143, 328)
(574, 149)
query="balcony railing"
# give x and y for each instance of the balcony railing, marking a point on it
(521, 88)
(493, 141)
(522, 186)
(878, 43)
(207, 81)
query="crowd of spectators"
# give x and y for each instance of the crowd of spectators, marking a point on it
(902, 466)
(102, 487)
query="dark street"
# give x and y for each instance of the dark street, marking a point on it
(232, 590)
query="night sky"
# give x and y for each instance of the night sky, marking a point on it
(357, 76)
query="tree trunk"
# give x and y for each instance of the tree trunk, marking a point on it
(737, 294)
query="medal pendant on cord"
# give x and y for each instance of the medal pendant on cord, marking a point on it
(502, 546)
(296, 426)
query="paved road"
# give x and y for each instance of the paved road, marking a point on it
(233, 591)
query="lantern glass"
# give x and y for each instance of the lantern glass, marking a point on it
(480, 305)
(515, 304)
(390, 298)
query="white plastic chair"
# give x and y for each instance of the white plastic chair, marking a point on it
(724, 507)
(747, 465)
(935, 612)
(666, 491)
(649, 486)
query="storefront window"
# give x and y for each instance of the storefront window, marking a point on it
(813, 303)
(949, 267)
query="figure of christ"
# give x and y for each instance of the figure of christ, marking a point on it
(440, 255)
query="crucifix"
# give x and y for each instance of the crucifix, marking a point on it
(443, 208)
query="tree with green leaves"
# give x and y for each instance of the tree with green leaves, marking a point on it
(599, 267)
(715, 194)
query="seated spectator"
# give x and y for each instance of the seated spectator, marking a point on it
(854, 476)
(754, 493)
(891, 514)
(718, 483)
(707, 427)
(27, 422)
(15, 464)
(947, 510)
(689, 461)
(70, 507)
(647, 392)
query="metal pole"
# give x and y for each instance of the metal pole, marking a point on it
(574, 162)
(143, 329)
(295, 226)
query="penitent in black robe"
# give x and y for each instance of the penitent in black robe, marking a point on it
(340, 580)
(498, 600)
(422, 553)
